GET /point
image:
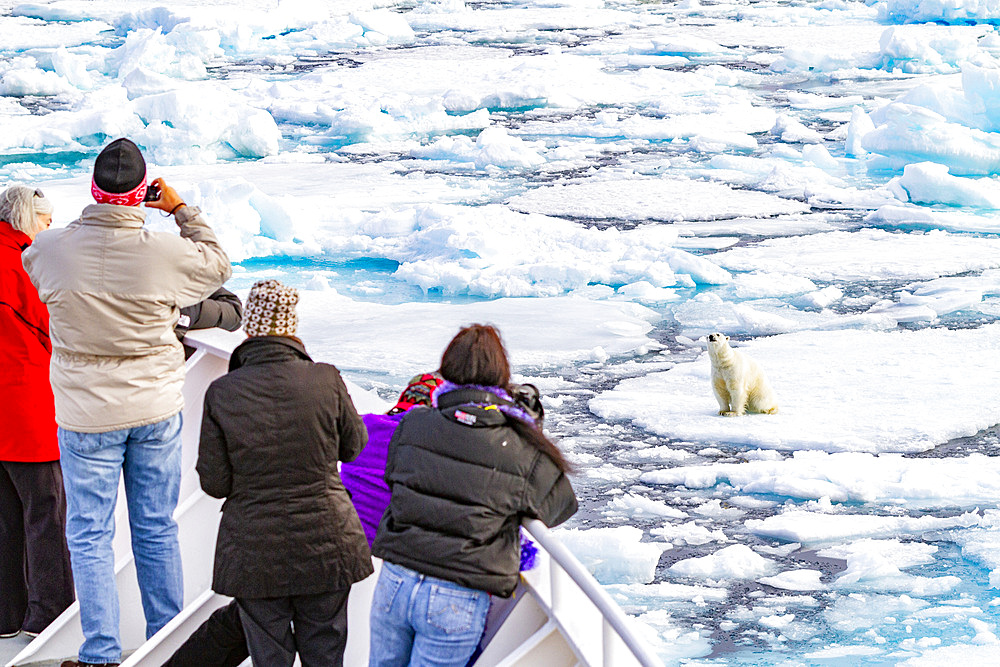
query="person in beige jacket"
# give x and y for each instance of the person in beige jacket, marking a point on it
(114, 291)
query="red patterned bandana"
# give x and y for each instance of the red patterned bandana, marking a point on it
(133, 197)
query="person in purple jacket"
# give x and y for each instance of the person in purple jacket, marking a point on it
(364, 477)
(220, 641)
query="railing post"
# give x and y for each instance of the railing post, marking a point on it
(555, 585)
(607, 638)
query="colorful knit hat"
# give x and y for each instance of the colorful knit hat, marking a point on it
(119, 174)
(418, 392)
(270, 310)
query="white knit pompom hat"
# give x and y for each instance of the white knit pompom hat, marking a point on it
(270, 310)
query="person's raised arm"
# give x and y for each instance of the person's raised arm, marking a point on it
(222, 309)
(206, 267)
(550, 495)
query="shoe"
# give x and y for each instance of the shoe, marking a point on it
(8, 635)
(76, 663)
(29, 633)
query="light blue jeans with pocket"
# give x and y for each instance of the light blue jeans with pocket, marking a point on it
(150, 458)
(422, 621)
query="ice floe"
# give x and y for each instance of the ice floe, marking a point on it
(837, 391)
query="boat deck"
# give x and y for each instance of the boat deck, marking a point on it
(11, 647)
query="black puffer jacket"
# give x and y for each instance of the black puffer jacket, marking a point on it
(460, 488)
(272, 432)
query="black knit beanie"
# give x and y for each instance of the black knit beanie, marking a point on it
(120, 167)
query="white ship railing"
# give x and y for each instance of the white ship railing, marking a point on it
(619, 645)
(560, 615)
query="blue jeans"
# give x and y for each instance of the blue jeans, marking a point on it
(150, 458)
(419, 620)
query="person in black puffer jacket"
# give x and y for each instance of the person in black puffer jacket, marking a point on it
(463, 474)
(290, 542)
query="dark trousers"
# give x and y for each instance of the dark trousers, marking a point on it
(320, 629)
(218, 642)
(36, 582)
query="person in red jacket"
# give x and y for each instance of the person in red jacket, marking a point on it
(36, 582)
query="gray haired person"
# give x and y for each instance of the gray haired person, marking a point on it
(36, 582)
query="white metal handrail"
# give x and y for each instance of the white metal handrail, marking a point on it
(614, 620)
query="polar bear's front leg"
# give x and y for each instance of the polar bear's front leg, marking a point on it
(737, 402)
(721, 395)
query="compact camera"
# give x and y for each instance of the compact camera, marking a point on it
(152, 193)
(527, 398)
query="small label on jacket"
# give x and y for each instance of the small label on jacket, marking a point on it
(465, 417)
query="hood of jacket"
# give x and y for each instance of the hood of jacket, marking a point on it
(267, 350)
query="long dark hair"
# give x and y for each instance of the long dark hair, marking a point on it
(476, 355)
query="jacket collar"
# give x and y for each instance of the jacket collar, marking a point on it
(12, 238)
(267, 350)
(113, 215)
(449, 395)
(467, 395)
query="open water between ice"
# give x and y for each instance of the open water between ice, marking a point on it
(609, 181)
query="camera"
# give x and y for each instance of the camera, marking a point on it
(152, 193)
(527, 398)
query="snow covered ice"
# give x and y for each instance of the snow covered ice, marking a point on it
(609, 181)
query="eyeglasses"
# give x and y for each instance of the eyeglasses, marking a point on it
(39, 194)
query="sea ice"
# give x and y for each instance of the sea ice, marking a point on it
(25, 80)
(852, 477)
(931, 49)
(970, 655)
(817, 528)
(939, 124)
(614, 555)
(398, 139)
(930, 183)
(733, 562)
(678, 201)
(806, 369)
(896, 216)
(795, 580)
(963, 11)
(493, 147)
(982, 545)
(690, 533)
(879, 562)
(367, 337)
(865, 255)
(639, 506)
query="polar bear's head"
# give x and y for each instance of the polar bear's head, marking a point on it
(717, 339)
(718, 344)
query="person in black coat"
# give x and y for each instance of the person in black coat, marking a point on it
(463, 475)
(221, 309)
(290, 543)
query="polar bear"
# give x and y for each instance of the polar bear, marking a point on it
(738, 381)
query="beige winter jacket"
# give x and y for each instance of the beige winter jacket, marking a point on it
(114, 290)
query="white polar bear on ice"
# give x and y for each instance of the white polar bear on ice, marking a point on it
(738, 381)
